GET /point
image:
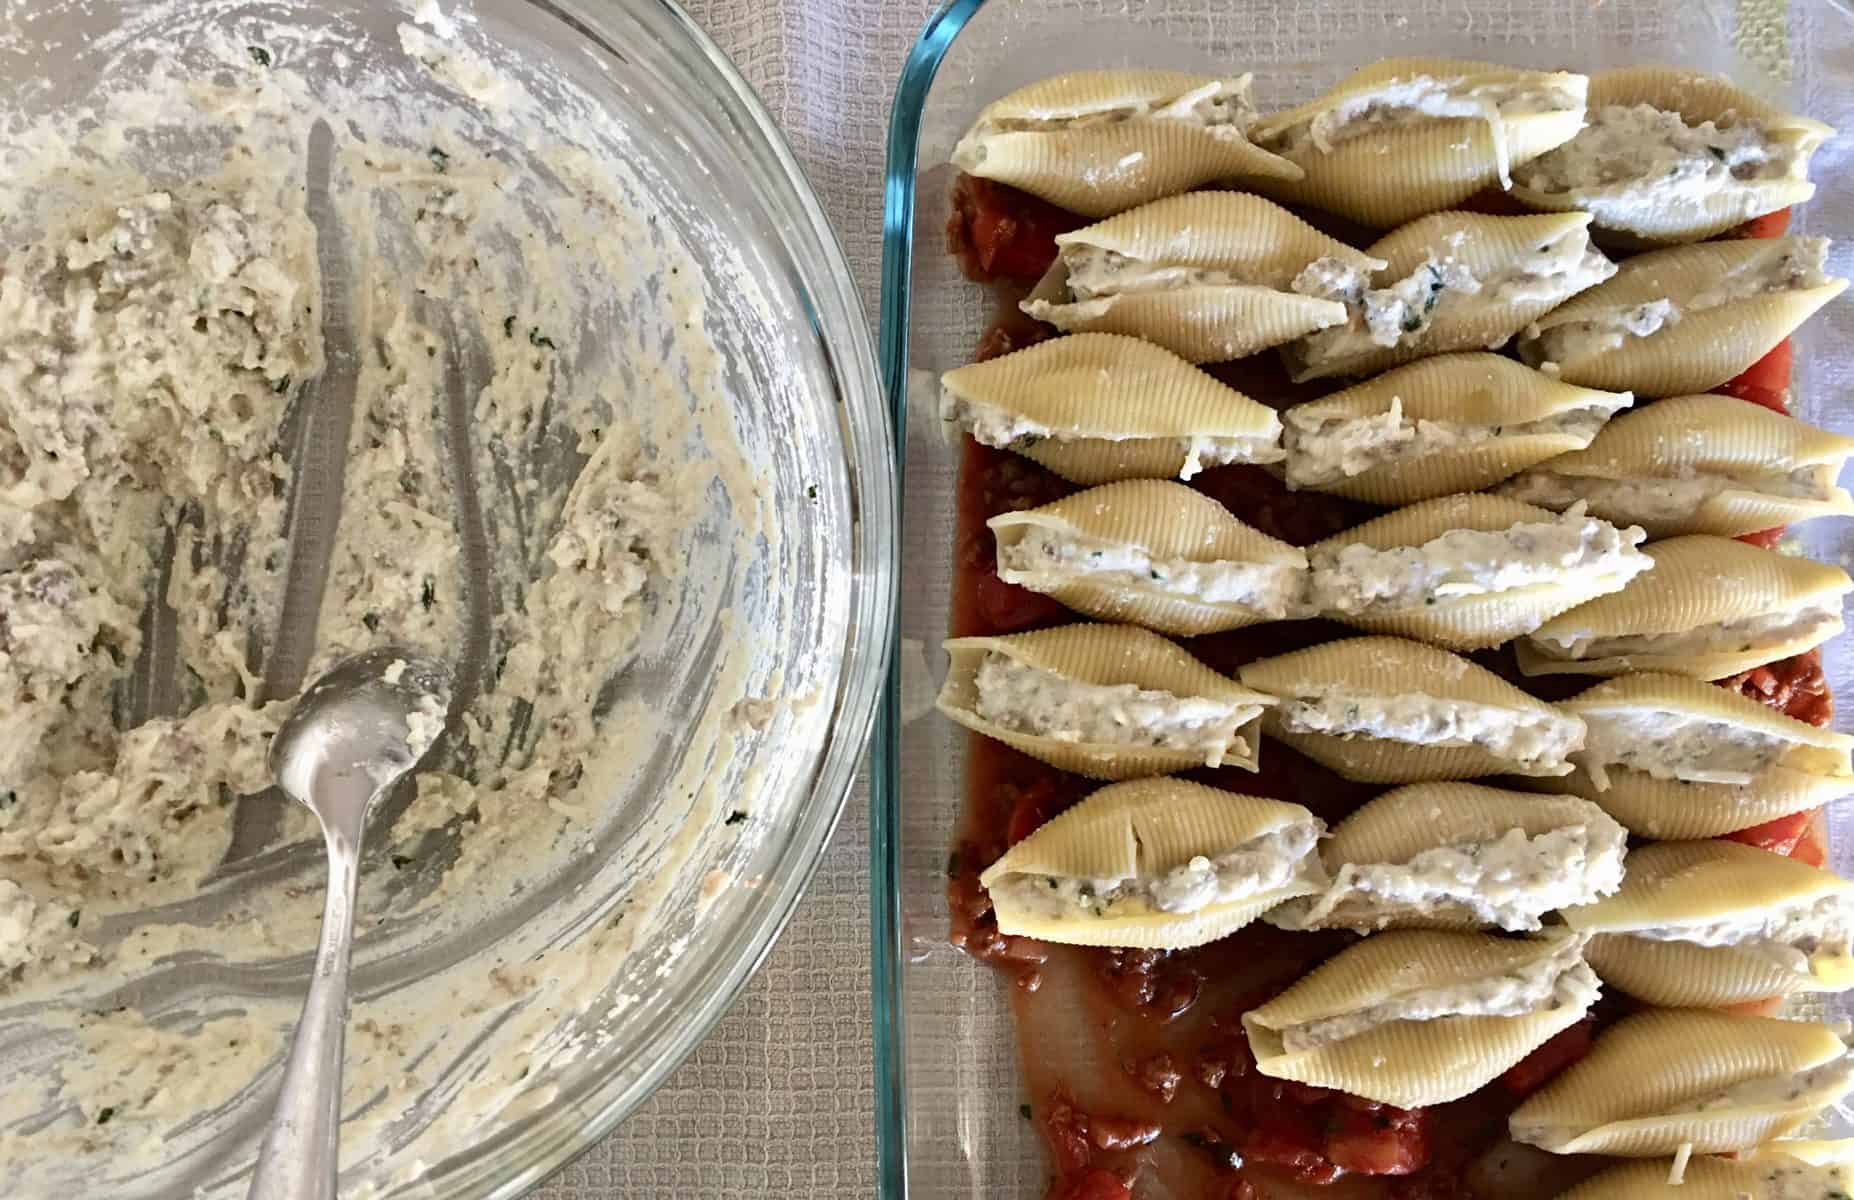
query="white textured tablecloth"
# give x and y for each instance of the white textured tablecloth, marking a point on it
(780, 1100)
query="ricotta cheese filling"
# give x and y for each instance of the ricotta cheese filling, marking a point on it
(1792, 933)
(1322, 450)
(1561, 980)
(1359, 579)
(1220, 104)
(1024, 699)
(1527, 738)
(1660, 157)
(1045, 559)
(1763, 1091)
(1006, 430)
(1664, 498)
(1255, 868)
(1508, 882)
(1674, 745)
(1791, 265)
(1810, 624)
(1803, 1181)
(1097, 273)
(1404, 102)
(1402, 311)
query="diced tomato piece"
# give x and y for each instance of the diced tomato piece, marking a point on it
(1769, 225)
(1538, 1068)
(1002, 233)
(1008, 608)
(1036, 805)
(1767, 538)
(1795, 686)
(1095, 1183)
(1388, 1141)
(1066, 1130)
(1780, 836)
(1766, 381)
(1810, 848)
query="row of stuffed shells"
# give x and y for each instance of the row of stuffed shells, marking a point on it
(1652, 154)
(1100, 407)
(1698, 464)
(1710, 607)
(1214, 276)
(1106, 701)
(1669, 1081)
(1461, 856)
(1786, 1169)
(1712, 923)
(1387, 710)
(1671, 757)
(1442, 425)
(1465, 572)
(1421, 1017)
(1685, 319)
(1155, 864)
(1670, 155)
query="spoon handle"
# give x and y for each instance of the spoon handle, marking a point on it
(301, 1153)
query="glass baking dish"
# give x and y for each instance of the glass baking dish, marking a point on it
(947, 1082)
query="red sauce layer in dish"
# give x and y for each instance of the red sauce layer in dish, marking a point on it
(1140, 1079)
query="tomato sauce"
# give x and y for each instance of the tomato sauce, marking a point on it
(1135, 1062)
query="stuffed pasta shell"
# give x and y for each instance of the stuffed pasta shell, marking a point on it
(1097, 142)
(1386, 710)
(1408, 136)
(1450, 281)
(1675, 156)
(1107, 701)
(1698, 464)
(1099, 407)
(1776, 1171)
(1469, 572)
(1665, 1081)
(1711, 607)
(1155, 864)
(1210, 276)
(1152, 553)
(1453, 423)
(1685, 319)
(1671, 757)
(1419, 1017)
(1712, 923)
(1459, 855)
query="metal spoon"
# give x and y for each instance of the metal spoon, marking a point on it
(351, 736)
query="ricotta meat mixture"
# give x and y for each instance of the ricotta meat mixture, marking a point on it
(1663, 499)
(1662, 160)
(1046, 558)
(1678, 745)
(171, 336)
(1531, 739)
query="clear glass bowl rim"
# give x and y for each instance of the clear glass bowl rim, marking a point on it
(577, 1119)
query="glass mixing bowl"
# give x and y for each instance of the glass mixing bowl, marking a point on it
(805, 610)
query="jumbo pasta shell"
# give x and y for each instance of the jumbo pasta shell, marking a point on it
(1382, 674)
(1097, 407)
(1812, 768)
(1144, 830)
(1662, 203)
(1412, 1062)
(1697, 583)
(1439, 162)
(1098, 142)
(1627, 1097)
(1453, 423)
(1180, 560)
(1700, 350)
(1489, 277)
(1101, 666)
(1452, 842)
(1206, 275)
(1769, 1174)
(1699, 464)
(1448, 614)
(1699, 885)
